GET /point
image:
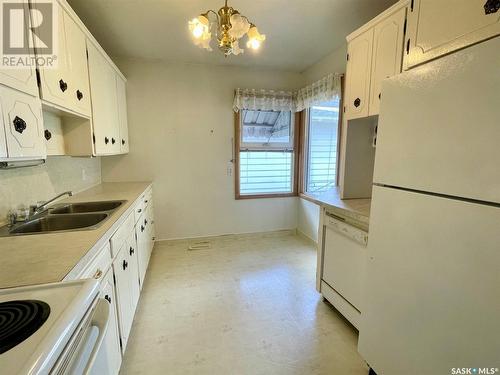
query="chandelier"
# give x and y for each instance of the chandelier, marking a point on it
(229, 27)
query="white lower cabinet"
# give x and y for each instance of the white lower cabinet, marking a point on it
(109, 359)
(127, 289)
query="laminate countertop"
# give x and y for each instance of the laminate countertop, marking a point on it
(46, 258)
(331, 199)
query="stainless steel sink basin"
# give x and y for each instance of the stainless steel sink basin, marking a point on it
(57, 223)
(84, 207)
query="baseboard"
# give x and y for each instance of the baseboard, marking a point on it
(306, 238)
(229, 236)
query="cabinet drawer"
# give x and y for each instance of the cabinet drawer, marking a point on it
(142, 204)
(122, 234)
(98, 267)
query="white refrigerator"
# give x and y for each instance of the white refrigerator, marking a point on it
(432, 297)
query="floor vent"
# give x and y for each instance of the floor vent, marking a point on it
(202, 245)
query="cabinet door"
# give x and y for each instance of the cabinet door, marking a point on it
(109, 358)
(133, 261)
(79, 91)
(143, 246)
(123, 276)
(388, 42)
(438, 27)
(122, 113)
(358, 75)
(23, 125)
(55, 85)
(104, 103)
(22, 79)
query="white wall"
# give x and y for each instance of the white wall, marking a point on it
(308, 219)
(181, 126)
(29, 185)
(308, 212)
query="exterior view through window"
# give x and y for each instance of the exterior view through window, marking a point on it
(266, 157)
(322, 145)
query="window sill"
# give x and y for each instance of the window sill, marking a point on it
(264, 196)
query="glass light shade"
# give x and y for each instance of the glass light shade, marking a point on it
(239, 26)
(199, 27)
(255, 38)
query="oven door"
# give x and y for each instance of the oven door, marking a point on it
(79, 355)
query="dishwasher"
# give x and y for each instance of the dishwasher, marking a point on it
(343, 263)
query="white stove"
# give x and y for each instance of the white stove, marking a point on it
(52, 328)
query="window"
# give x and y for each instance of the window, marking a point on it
(322, 132)
(265, 151)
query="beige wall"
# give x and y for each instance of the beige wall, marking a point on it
(29, 185)
(181, 129)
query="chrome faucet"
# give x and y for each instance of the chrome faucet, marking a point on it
(39, 207)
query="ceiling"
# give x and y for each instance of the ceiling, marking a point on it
(299, 32)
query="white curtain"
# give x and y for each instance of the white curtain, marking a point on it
(264, 100)
(326, 89)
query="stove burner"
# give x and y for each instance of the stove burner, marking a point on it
(19, 320)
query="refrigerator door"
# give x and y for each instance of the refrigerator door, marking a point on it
(439, 126)
(432, 300)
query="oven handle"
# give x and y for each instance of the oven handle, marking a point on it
(100, 320)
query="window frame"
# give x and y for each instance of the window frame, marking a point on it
(304, 146)
(297, 121)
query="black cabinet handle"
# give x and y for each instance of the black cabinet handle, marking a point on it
(106, 140)
(408, 46)
(107, 298)
(79, 95)
(19, 124)
(491, 6)
(139, 210)
(113, 141)
(145, 222)
(63, 85)
(357, 102)
(47, 134)
(142, 228)
(125, 265)
(379, 96)
(132, 251)
(123, 141)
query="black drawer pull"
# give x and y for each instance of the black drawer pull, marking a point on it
(107, 298)
(123, 141)
(47, 134)
(113, 141)
(125, 265)
(131, 251)
(19, 124)
(106, 140)
(79, 95)
(63, 85)
(142, 228)
(491, 6)
(357, 102)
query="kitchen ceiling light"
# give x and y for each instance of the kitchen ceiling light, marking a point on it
(229, 27)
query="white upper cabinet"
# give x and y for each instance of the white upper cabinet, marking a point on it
(374, 53)
(438, 27)
(22, 124)
(67, 86)
(104, 103)
(121, 91)
(359, 52)
(18, 78)
(388, 43)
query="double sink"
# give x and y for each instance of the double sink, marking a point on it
(65, 217)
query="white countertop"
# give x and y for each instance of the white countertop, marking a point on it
(46, 258)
